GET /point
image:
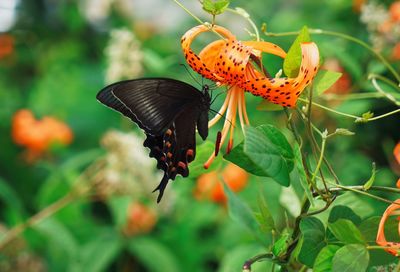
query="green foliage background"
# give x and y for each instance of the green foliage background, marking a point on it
(58, 67)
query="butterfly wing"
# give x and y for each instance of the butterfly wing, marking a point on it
(152, 103)
(179, 147)
(168, 111)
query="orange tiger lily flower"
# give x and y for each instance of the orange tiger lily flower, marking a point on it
(228, 62)
(206, 64)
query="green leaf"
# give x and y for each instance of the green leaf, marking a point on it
(265, 155)
(371, 180)
(323, 262)
(324, 80)
(369, 228)
(292, 62)
(279, 140)
(98, 254)
(365, 117)
(302, 173)
(265, 105)
(203, 152)
(55, 232)
(119, 208)
(344, 132)
(351, 258)
(215, 7)
(345, 230)
(221, 6)
(313, 240)
(153, 255)
(343, 212)
(265, 219)
(240, 212)
(281, 245)
(265, 152)
(13, 209)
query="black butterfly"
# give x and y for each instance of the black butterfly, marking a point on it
(168, 111)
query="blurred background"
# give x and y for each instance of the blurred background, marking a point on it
(59, 145)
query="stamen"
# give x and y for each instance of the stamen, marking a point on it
(227, 124)
(221, 111)
(246, 118)
(240, 104)
(217, 143)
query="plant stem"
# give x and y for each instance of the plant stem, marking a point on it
(386, 80)
(378, 88)
(384, 115)
(247, 265)
(314, 144)
(188, 12)
(359, 191)
(372, 188)
(296, 230)
(351, 115)
(43, 214)
(321, 157)
(329, 109)
(80, 190)
(354, 96)
(253, 25)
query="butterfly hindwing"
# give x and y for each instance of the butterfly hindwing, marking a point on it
(179, 147)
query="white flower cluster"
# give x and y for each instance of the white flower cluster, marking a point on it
(382, 29)
(373, 15)
(124, 56)
(128, 168)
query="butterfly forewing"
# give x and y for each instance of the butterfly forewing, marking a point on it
(151, 103)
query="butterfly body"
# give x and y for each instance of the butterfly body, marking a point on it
(169, 111)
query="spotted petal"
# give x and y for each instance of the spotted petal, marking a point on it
(284, 91)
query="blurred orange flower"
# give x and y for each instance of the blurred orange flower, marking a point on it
(394, 11)
(141, 219)
(38, 135)
(396, 152)
(357, 4)
(343, 85)
(209, 186)
(6, 45)
(396, 52)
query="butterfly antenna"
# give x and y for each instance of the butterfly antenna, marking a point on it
(213, 99)
(190, 74)
(216, 112)
(224, 91)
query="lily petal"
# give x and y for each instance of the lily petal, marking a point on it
(266, 47)
(393, 248)
(194, 61)
(285, 91)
